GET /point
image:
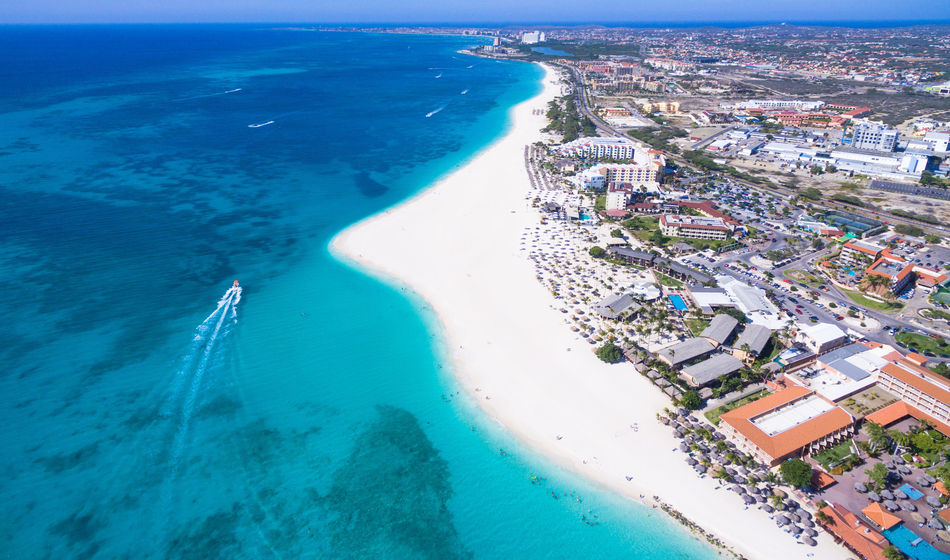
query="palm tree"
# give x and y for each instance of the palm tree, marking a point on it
(899, 438)
(877, 436)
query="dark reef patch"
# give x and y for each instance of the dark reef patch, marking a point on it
(390, 495)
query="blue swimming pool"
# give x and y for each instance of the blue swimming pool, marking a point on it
(912, 493)
(901, 537)
(678, 302)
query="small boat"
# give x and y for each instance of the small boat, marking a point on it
(260, 124)
(464, 91)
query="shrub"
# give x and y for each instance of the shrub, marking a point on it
(597, 252)
(796, 473)
(610, 353)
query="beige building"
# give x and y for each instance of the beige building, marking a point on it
(693, 227)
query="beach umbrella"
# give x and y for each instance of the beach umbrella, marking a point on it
(891, 506)
(899, 460)
(900, 494)
(887, 494)
(909, 506)
(739, 479)
(874, 497)
(742, 470)
(860, 487)
(791, 504)
(930, 478)
(890, 466)
(923, 481)
(691, 461)
(809, 541)
(795, 530)
(933, 501)
(934, 524)
(761, 499)
(811, 532)
(748, 499)
(804, 514)
(684, 447)
(808, 523)
(918, 518)
(780, 492)
(903, 469)
(731, 471)
(701, 469)
(943, 535)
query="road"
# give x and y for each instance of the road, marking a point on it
(713, 137)
(580, 93)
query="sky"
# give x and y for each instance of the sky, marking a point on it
(468, 11)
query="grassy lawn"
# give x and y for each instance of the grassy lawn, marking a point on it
(696, 326)
(864, 301)
(803, 277)
(936, 314)
(714, 414)
(665, 280)
(834, 456)
(923, 343)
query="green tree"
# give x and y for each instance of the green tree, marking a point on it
(610, 353)
(893, 553)
(877, 474)
(796, 473)
(597, 252)
(616, 233)
(691, 400)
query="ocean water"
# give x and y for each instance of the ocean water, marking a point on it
(147, 411)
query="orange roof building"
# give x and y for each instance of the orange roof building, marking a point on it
(880, 516)
(926, 394)
(789, 423)
(860, 539)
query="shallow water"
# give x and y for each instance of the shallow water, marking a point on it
(146, 412)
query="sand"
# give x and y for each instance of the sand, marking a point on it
(457, 245)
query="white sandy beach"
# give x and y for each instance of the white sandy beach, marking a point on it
(457, 245)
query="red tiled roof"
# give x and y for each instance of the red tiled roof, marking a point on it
(792, 439)
(863, 540)
(918, 377)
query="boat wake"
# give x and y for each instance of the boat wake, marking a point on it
(215, 94)
(430, 113)
(260, 124)
(203, 354)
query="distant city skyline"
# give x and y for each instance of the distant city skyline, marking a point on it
(486, 12)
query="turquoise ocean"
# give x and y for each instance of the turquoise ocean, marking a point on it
(147, 411)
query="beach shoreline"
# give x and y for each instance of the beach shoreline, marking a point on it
(455, 245)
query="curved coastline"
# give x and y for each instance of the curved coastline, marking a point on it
(455, 247)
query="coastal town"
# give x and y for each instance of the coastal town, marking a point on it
(800, 337)
(739, 233)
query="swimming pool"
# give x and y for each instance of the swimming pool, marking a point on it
(912, 493)
(901, 537)
(678, 302)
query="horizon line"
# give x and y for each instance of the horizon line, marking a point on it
(618, 24)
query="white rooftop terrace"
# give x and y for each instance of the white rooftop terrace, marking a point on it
(788, 417)
(829, 384)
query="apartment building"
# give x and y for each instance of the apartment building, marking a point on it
(877, 137)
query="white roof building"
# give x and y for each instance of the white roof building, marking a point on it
(821, 337)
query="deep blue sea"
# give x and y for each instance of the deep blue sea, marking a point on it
(147, 412)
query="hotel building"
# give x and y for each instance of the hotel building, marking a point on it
(789, 423)
(694, 227)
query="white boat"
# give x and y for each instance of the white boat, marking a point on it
(464, 91)
(260, 124)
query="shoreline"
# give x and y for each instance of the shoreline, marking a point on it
(455, 245)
